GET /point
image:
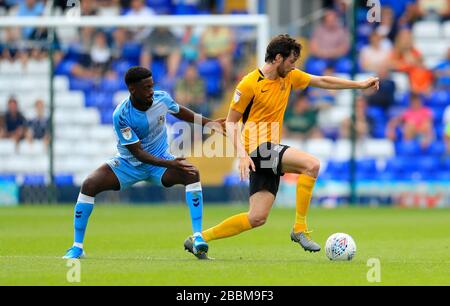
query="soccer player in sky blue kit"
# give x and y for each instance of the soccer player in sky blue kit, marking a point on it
(139, 122)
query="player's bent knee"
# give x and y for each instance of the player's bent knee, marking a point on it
(313, 168)
(193, 178)
(89, 187)
(256, 221)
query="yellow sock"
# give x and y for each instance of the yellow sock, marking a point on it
(229, 227)
(305, 186)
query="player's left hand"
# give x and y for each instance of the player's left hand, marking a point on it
(218, 125)
(370, 83)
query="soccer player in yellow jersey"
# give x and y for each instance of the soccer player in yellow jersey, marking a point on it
(259, 102)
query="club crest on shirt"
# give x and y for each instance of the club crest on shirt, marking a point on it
(126, 133)
(161, 120)
(237, 96)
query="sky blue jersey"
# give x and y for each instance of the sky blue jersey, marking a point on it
(132, 125)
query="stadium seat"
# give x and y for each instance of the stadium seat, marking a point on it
(446, 29)
(378, 148)
(432, 47)
(211, 72)
(81, 84)
(61, 83)
(322, 148)
(7, 177)
(35, 148)
(401, 83)
(34, 180)
(439, 98)
(119, 96)
(337, 170)
(426, 29)
(7, 147)
(131, 52)
(161, 7)
(41, 67)
(344, 65)
(64, 180)
(408, 148)
(315, 66)
(69, 100)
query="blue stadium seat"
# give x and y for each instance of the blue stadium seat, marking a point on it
(64, 180)
(439, 98)
(408, 148)
(186, 9)
(85, 85)
(337, 170)
(436, 149)
(99, 99)
(110, 85)
(344, 65)
(446, 164)
(7, 178)
(64, 67)
(427, 164)
(161, 7)
(315, 66)
(211, 72)
(106, 115)
(121, 67)
(366, 165)
(34, 180)
(132, 52)
(159, 70)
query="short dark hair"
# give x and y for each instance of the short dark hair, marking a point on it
(136, 74)
(282, 44)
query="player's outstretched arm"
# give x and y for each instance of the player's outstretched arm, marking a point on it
(233, 131)
(329, 82)
(188, 115)
(179, 163)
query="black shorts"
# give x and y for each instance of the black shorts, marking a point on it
(267, 159)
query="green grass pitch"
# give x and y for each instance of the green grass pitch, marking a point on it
(143, 245)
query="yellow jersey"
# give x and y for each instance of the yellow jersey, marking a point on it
(263, 104)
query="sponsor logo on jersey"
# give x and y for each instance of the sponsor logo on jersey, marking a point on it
(237, 96)
(126, 133)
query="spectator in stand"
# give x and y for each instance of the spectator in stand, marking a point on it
(15, 122)
(384, 98)
(100, 54)
(140, 10)
(363, 123)
(38, 128)
(375, 54)
(324, 98)
(88, 8)
(29, 8)
(162, 45)
(387, 28)
(438, 8)
(447, 128)
(330, 40)
(406, 58)
(190, 91)
(416, 123)
(219, 42)
(190, 45)
(442, 73)
(2, 126)
(302, 119)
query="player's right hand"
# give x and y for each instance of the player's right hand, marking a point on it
(181, 164)
(245, 164)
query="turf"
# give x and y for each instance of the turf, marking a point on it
(142, 245)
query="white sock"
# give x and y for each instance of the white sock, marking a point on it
(78, 245)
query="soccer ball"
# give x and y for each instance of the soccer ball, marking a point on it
(340, 247)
